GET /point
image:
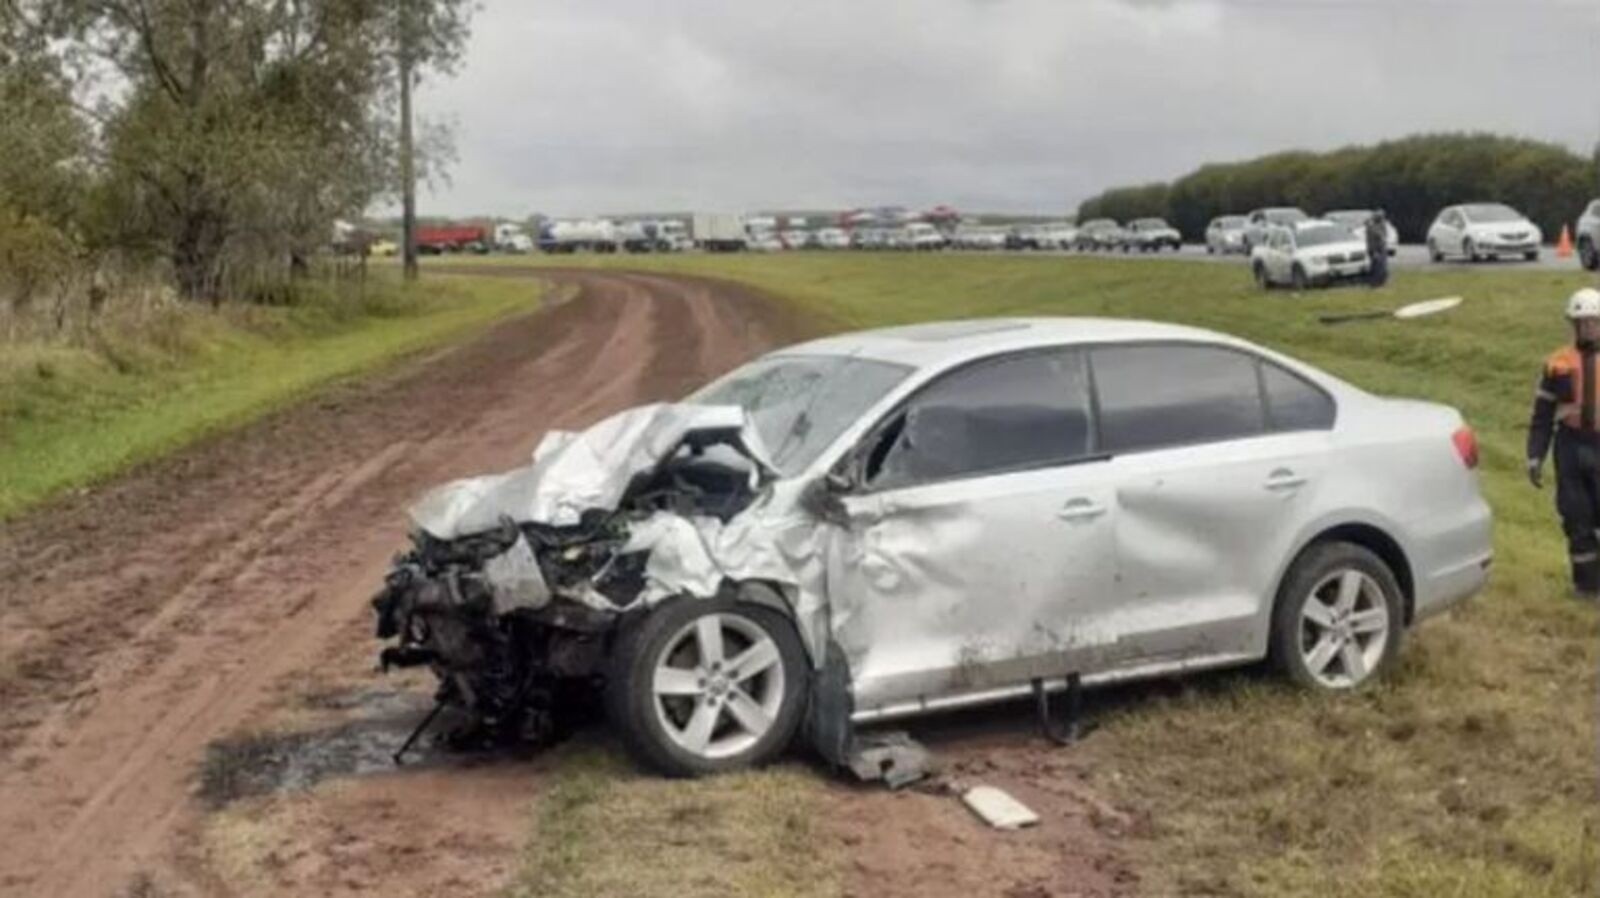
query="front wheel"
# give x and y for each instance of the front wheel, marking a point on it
(1433, 251)
(1588, 255)
(701, 686)
(1337, 623)
(1470, 250)
(1531, 256)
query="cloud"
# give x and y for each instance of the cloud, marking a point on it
(576, 107)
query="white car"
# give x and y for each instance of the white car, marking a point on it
(833, 238)
(1099, 234)
(1259, 221)
(765, 242)
(1476, 231)
(1356, 220)
(1225, 234)
(1309, 253)
(895, 522)
(979, 238)
(923, 236)
(1588, 232)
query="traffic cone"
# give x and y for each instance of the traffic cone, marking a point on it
(1564, 246)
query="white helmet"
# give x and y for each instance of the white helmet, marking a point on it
(1584, 304)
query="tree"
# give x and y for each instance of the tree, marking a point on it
(237, 131)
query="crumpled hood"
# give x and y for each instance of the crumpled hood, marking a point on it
(574, 472)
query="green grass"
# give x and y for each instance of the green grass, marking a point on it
(72, 415)
(604, 830)
(1472, 771)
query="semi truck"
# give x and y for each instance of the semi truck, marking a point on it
(718, 232)
(592, 234)
(433, 240)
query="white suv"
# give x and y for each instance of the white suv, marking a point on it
(1589, 237)
(1476, 231)
(1314, 252)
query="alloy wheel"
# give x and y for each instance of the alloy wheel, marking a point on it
(1344, 627)
(718, 685)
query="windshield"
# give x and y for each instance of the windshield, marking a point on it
(800, 404)
(1230, 221)
(1285, 216)
(1318, 235)
(1492, 214)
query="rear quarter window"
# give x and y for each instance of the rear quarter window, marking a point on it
(1172, 394)
(1294, 403)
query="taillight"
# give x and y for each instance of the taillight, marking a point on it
(1466, 445)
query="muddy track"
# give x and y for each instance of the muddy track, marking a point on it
(223, 592)
(145, 619)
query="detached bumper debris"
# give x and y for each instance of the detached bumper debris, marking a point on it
(998, 809)
(895, 758)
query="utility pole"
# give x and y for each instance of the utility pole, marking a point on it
(408, 172)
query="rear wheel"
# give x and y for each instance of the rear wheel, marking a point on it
(1338, 619)
(702, 686)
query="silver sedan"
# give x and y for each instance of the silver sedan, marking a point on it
(892, 522)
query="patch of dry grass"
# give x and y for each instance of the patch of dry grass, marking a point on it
(604, 830)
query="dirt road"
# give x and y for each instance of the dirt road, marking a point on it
(223, 593)
(143, 620)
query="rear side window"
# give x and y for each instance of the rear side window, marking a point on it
(1293, 403)
(1025, 411)
(1156, 395)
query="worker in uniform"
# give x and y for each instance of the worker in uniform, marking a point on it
(1566, 407)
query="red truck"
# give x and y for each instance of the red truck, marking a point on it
(431, 241)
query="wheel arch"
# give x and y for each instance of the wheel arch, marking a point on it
(1374, 539)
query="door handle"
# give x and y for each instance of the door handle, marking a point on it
(1284, 479)
(1080, 510)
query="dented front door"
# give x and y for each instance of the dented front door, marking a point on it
(981, 549)
(967, 585)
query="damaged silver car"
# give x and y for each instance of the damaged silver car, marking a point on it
(898, 521)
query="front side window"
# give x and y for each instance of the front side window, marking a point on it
(1015, 413)
(1158, 395)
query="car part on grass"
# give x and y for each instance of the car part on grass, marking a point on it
(893, 758)
(1404, 313)
(998, 809)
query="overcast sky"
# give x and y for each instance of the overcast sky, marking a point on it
(608, 106)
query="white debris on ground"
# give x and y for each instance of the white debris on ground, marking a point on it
(999, 809)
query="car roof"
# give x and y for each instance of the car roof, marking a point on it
(942, 343)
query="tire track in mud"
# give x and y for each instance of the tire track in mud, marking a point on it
(162, 611)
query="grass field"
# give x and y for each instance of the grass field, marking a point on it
(73, 414)
(1471, 773)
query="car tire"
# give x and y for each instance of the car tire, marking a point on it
(1260, 272)
(1210, 250)
(1531, 256)
(1470, 250)
(1588, 255)
(1433, 251)
(752, 719)
(1338, 620)
(1298, 279)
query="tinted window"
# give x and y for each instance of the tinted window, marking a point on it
(1170, 395)
(1020, 412)
(1293, 403)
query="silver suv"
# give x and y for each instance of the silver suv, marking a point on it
(1589, 237)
